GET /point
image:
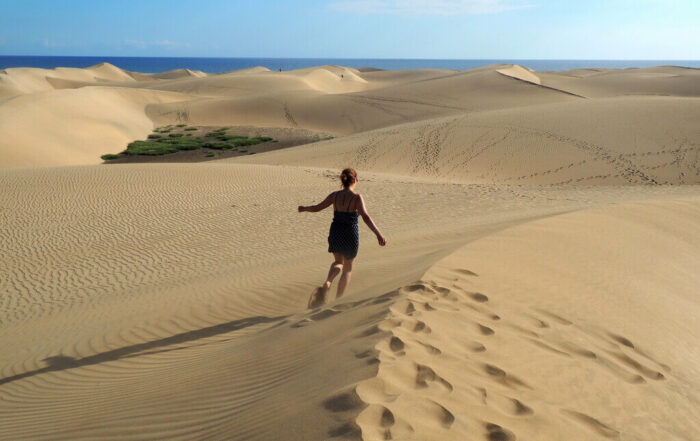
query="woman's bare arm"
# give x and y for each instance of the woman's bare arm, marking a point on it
(362, 208)
(318, 207)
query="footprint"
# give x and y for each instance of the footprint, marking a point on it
(592, 423)
(498, 433)
(349, 430)
(344, 402)
(622, 340)
(387, 418)
(475, 346)
(430, 348)
(547, 347)
(442, 290)
(421, 327)
(478, 297)
(374, 329)
(500, 376)
(620, 372)
(555, 317)
(427, 307)
(577, 350)
(485, 330)
(417, 287)
(634, 364)
(509, 406)
(525, 331)
(425, 374)
(466, 272)
(385, 424)
(396, 344)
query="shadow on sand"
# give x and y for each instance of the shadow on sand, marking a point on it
(62, 362)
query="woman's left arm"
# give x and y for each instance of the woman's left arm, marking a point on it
(314, 208)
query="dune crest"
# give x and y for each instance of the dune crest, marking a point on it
(520, 73)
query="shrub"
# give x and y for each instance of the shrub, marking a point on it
(216, 133)
(154, 136)
(175, 135)
(189, 129)
(109, 156)
(162, 147)
(181, 125)
(149, 148)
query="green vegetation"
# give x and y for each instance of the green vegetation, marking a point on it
(190, 129)
(157, 145)
(216, 133)
(181, 125)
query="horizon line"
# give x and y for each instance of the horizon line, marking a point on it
(366, 58)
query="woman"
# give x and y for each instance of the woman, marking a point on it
(344, 238)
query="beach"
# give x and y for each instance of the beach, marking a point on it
(539, 282)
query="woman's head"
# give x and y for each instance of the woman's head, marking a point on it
(348, 177)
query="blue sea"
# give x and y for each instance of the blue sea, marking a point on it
(212, 65)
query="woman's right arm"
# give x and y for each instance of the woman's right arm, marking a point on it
(318, 207)
(370, 223)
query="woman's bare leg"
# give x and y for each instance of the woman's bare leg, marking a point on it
(335, 269)
(344, 278)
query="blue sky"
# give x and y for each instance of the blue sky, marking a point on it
(492, 29)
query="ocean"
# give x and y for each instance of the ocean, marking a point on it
(211, 65)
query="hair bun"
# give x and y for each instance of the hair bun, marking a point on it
(348, 177)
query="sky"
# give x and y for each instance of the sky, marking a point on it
(437, 29)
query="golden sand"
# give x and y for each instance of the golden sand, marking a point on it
(540, 280)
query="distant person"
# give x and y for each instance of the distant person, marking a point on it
(341, 76)
(280, 69)
(344, 237)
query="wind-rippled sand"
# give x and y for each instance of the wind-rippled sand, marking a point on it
(540, 280)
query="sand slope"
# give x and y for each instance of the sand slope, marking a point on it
(66, 127)
(605, 141)
(525, 344)
(124, 303)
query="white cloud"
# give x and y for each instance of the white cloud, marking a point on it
(427, 7)
(140, 44)
(52, 43)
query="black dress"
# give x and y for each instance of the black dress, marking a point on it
(344, 236)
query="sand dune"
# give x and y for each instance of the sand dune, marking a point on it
(607, 141)
(665, 81)
(539, 282)
(16, 81)
(64, 127)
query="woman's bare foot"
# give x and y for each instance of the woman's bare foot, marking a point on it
(318, 297)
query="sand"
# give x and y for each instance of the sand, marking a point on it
(540, 280)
